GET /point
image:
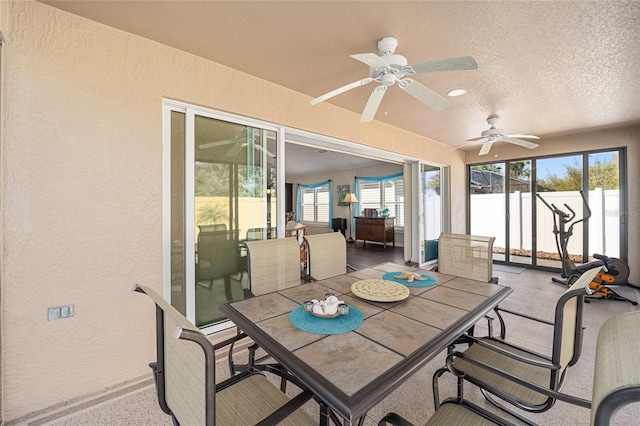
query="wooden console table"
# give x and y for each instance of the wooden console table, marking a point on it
(378, 229)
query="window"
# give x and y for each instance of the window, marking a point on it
(315, 204)
(383, 194)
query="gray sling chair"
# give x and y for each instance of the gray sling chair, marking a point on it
(327, 255)
(273, 264)
(616, 382)
(516, 374)
(186, 385)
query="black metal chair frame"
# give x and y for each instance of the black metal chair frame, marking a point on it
(158, 368)
(557, 373)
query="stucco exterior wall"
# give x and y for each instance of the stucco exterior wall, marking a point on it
(82, 190)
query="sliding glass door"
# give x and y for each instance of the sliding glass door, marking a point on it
(527, 230)
(432, 185)
(518, 241)
(222, 192)
(559, 181)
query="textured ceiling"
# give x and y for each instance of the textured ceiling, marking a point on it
(546, 68)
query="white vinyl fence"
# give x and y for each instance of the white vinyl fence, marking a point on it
(487, 219)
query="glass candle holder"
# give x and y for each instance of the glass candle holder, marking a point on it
(328, 295)
(343, 309)
(307, 306)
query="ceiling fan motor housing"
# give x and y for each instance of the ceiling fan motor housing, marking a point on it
(387, 45)
(493, 132)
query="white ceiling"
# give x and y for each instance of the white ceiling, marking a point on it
(545, 67)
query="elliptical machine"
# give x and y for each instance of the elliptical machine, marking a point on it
(615, 271)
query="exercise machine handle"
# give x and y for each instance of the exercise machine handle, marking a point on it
(586, 205)
(564, 216)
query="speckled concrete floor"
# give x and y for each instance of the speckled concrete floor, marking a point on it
(534, 293)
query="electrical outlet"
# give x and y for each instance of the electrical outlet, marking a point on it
(60, 312)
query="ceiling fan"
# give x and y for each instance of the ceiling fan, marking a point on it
(239, 141)
(390, 68)
(497, 135)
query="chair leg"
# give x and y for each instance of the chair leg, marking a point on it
(227, 288)
(434, 384)
(324, 415)
(460, 388)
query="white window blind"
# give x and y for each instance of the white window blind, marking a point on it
(378, 195)
(315, 204)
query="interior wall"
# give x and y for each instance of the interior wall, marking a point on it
(82, 190)
(346, 177)
(628, 137)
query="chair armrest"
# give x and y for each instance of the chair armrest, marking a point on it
(287, 409)
(511, 355)
(540, 320)
(503, 326)
(543, 390)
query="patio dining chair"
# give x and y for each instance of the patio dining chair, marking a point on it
(466, 256)
(516, 374)
(218, 257)
(273, 265)
(616, 382)
(327, 255)
(185, 377)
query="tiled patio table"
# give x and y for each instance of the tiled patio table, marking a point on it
(351, 372)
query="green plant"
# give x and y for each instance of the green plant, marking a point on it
(210, 213)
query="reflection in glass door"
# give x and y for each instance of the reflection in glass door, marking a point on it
(234, 195)
(219, 190)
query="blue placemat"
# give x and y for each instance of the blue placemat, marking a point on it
(389, 276)
(307, 322)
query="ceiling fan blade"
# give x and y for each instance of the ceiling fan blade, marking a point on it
(373, 103)
(424, 94)
(266, 151)
(520, 142)
(461, 146)
(235, 149)
(477, 139)
(522, 136)
(486, 148)
(453, 64)
(372, 60)
(218, 143)
(340, 90)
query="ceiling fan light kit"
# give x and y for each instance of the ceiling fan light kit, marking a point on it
(456, 92)
(390, 68)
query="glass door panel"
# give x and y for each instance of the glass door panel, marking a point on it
(487, 205)
(519, 241)
(558, 182)
(604, 202)
(234, 195)
(430, 211)
(177, 273)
